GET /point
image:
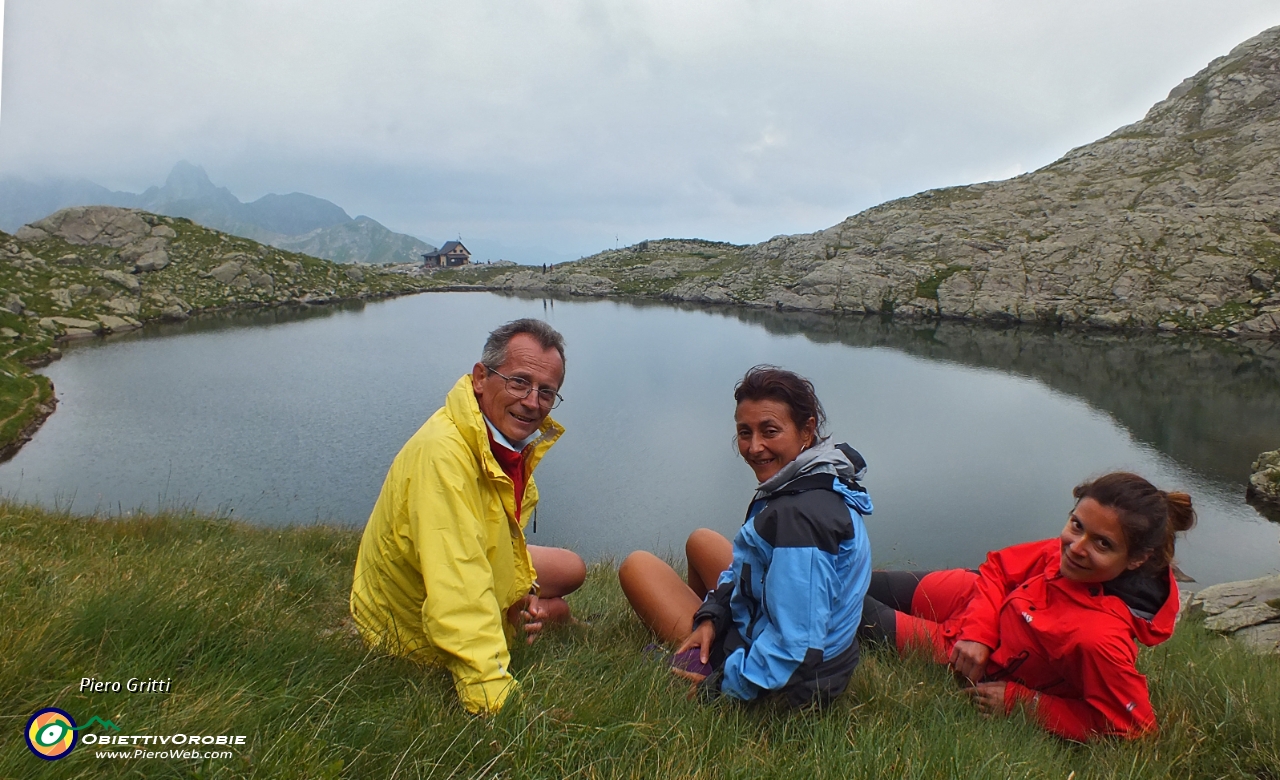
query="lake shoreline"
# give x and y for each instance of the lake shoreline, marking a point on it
(60, 287)
(34, 418)
(569, 292)
(43, 409)
(1265, 349)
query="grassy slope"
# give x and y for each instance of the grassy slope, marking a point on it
(33, 270)
(251, 625)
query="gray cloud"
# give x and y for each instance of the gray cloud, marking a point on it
(566, 123)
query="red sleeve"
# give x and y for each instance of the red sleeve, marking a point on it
(1115, 701)
(1003, 571)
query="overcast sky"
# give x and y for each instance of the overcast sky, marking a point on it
(565, 123)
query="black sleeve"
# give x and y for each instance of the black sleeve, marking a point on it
(716, 609)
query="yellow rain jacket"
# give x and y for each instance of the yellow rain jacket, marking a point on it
(443, 557)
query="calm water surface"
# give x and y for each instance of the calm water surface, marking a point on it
(974, 436)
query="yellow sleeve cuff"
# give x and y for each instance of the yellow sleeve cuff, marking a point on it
(486, 697)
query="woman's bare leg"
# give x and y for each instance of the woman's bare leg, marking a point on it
(708, 553)
(560, 572)
(659, 597)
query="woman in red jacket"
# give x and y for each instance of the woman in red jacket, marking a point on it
(1052, 625)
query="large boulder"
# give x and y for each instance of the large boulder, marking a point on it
(149, 254)
(113, 324)
(1248, 611)
(259, 278)
(126, 281)
(100, 225)
(227, 271)
(122, 305)
(1266, 325)
(71, 327)
(1264, 483)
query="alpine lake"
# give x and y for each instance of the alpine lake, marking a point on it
(974, 435)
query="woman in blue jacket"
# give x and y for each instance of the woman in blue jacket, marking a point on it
(788, 590)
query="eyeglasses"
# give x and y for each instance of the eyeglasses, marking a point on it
(520, 388)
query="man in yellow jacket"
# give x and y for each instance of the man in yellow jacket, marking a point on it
(444, 574)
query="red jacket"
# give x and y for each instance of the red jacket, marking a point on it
(1066, 649)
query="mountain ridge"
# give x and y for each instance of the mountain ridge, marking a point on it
(295, 221)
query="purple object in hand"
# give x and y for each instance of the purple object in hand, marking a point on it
(690, 661)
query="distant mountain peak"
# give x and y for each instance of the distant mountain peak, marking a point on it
(188, 181)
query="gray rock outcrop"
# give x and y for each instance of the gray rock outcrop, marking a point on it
(141, 238)
(1248, 611)
(123, 305)
(227, 271)
(68, 328)
(112, 324)
(101, 225)
(61, 297)
(127, 281)
(1264, 483)
(148, 254)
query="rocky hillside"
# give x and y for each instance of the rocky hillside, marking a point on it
(1172, 222)
(90, 271)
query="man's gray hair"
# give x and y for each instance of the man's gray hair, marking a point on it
(495, 348)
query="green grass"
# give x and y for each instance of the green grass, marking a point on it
(21, 392)
(250, 624)
(928, 288)
(1268, 252)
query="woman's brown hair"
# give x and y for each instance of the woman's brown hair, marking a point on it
(1150, 518)
(777, 384)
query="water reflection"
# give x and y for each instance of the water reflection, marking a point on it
(211, 322)
(1210, 404)
(975, 436)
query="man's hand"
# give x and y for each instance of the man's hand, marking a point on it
(969, 659)
(528, 614)
(988, 697)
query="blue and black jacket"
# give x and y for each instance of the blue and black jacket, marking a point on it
(786, 614)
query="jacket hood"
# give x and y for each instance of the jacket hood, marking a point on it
(1154, 630)
(838, 460)
(1151, 619)
(1143, 592)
